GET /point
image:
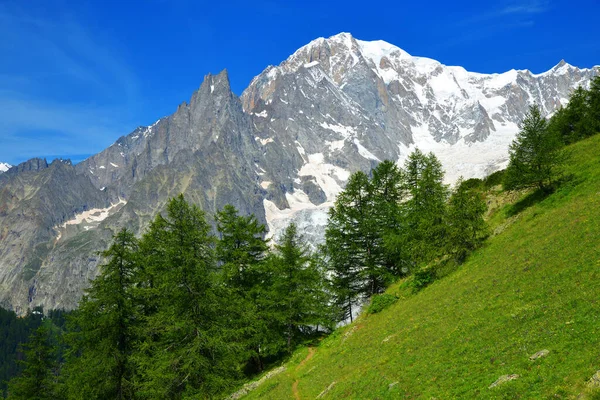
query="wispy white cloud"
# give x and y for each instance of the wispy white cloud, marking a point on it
(495, 21)
(508, 12)
(63, 88)
(525, 7)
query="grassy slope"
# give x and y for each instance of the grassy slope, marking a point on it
(534, 286)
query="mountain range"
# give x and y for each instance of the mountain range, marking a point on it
(282, 150)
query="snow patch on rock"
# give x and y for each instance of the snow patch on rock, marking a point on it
(4, 167)
(93, 216)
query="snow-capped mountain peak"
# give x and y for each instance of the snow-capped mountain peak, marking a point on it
(348, 103)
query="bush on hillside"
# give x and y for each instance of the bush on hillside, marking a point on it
(380, 302)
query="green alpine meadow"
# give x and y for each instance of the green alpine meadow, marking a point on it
(531, 289)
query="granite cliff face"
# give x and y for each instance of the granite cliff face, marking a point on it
(282, 150)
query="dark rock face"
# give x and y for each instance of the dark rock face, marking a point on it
(282, 151)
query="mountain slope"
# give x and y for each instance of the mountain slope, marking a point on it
(282, 151)
(533, 287)
(342, 104)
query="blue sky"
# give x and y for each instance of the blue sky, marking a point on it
(76, 75)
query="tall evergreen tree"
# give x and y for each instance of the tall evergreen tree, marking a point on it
(423, 214)
(389, 190)
(353, 245)
(593, 101)
(241, 246)
(573, 122)
(535, 155)
(241, 250)
(299, 287)
(187, 350)
(14, 331)
(466, 226)
(102, 337)
(38, 380)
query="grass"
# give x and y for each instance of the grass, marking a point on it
(534, 285)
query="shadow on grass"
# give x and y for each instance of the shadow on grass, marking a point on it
(528, 201)
(564, 183)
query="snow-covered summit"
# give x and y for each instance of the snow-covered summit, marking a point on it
(451, 103)
(339, 104)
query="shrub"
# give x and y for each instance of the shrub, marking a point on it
(380, 302)
(422, 278)
(494, 179)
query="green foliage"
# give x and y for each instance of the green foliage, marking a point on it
(240, 247)
(422, 278)
(425, 211)
(102, 329)
(242, 250)
(13, 332)
(472, 183)
(535, 156)
(533, 286)
(380, 302)
(593, 101)
(298, 285)
(466, 228)
(494, 179)
(581, 117)
(396, 223)
(38, 381)
(356, 262)
(188, 347)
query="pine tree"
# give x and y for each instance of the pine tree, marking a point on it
(389, 190)
(241, 250)
(466, 226)
(241, 246)
(535, 155)
(573, 122)
(423, 214)
(102, 329)
(353, 245)
(299, 287)
(593, 101)
(187, 348)
(38, 380)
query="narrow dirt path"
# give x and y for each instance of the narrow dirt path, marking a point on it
(311, 353)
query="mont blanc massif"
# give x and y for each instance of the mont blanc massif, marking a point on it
(282, 150)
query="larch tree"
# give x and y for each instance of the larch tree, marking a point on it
(38, 380)
(102, 329)
(535, 154)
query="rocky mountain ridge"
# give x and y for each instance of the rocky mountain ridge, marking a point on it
(282, 150)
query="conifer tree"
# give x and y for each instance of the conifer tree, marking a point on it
(535, 155)
(573, 122)
(102, 329)
(241, 250)
(466, 226)
(38, 380)
(593, 101)
(353, 245)
(389, 190)
(423, 214)
(241, 246)
(299, 287)
(188, 350)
